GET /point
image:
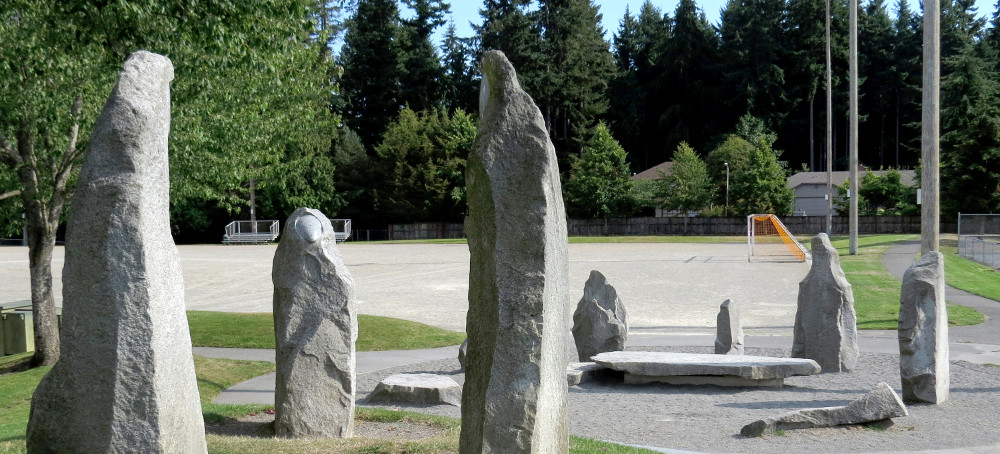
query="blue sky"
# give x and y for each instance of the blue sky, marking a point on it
(464, 11)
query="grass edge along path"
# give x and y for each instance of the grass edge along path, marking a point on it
(876, 292)
(256, 330)
(214, 375)
(970, 276)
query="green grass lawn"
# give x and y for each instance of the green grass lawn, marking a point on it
(256, 330)
(970, 276)
(876, 292)
(214, 375)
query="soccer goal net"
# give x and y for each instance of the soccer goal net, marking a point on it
(769, 239)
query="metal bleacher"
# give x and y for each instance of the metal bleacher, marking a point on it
(263, 232)
(251, 232)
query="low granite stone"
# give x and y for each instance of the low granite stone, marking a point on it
(577, 373)
(923, 332)
(418, 389)
(600, 323)
(825, 322)
(880, 404)
(662, 364)
(729, 333)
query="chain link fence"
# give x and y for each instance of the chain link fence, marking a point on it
(979, 238)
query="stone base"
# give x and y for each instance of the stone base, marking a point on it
(418, 389)
(577, 373)
(717, 380)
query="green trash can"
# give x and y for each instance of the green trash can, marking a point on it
(18, 332)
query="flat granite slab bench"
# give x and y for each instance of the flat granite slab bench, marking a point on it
(705, 369)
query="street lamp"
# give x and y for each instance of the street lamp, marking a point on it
(727, 188)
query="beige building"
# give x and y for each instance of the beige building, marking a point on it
(809, 189)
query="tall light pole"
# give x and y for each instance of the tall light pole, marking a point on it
(853, 143)
(829, 130)
(930, 129)
(727, 188)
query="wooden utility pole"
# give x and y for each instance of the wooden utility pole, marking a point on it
(829, 129)
(930, 129)
(853, 138)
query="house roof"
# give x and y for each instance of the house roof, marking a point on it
(653, 173)
(908, 177)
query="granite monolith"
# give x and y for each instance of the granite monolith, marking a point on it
(126, 379)
(729, 331)
(315, 329)
(923, 332)
(825, 322)
(515, 393)
(600, 323)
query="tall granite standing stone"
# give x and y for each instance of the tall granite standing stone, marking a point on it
(125, 381)
(315, 329)
(923, 332)
(729, 333)
(600, 323)
(515, 394)
(825, 322)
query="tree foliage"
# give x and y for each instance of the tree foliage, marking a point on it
(757, 180)
(598, 184)
(879, 195)
(423, 161)
(688, 187)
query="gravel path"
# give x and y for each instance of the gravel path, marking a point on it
(708, 418)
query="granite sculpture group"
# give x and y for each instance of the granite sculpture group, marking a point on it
(126, 379)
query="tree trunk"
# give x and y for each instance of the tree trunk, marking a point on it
(41, 241)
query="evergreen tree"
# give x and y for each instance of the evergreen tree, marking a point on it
(422, 160)
(960, 27)
(688, 69)
(688, 187)
(373, 68)
(626, 102)
(653, 31)
(875, 40)
(460, 88)
(354, 179)
(578, 67)
(507, 26)
(598, 184)
(753, 48)
(904, 87)
(758, 179)
(422, 77)
(970, 142)
(806, 31)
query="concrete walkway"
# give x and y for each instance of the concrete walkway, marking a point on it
(260, 390)
(900, 256)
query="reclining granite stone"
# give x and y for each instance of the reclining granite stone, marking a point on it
(126, 379)
(880, 404)
(315, 328)
(705, 369)
(428, 389)
(515, 394)
(600, 323)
